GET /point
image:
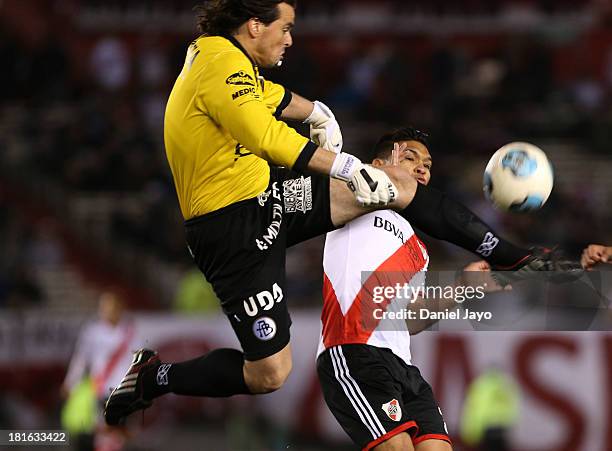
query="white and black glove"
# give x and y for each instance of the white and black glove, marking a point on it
(324, 129)
(371, 186)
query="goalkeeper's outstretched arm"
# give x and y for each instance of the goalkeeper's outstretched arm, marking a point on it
(476, 274)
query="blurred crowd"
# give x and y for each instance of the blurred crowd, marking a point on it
(17, 285)
(82, 116)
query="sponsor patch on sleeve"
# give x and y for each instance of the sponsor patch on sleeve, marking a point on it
(240, 78)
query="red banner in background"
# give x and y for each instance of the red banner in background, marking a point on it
(564, 378)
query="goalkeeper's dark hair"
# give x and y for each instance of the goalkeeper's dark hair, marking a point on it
(224, 17)
(382, 149)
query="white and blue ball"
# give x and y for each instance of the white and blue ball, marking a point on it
(518, 177)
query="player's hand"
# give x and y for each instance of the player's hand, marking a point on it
(324, 129)
(371, 186)
(478, 274)
(397, 152)
(595, 254)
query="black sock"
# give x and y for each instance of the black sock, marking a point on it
(217, 374)
(445, 219)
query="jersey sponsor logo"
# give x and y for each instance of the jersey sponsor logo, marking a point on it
(240, 79)
(242, 92)
(297, 195)
(489, 243)
(263, 300)
(264, 328)
(393, 410)
(266, 240)
(273, 229)
(263, 198)
(274, 192)
(162, 373)
(388, 226)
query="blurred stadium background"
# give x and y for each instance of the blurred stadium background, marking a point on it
(87, 202)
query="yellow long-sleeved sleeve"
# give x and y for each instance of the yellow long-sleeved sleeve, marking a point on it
(276, 97)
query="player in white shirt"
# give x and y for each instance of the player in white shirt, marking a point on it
(364, 362)
(103, 350)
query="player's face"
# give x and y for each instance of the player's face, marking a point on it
(415, 158)
(110, 308)
(276, 38)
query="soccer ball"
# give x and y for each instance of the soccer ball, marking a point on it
(518, 177)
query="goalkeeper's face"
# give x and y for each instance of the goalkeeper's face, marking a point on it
(414, 157)
(275, 38)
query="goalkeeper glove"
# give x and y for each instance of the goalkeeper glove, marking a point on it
(324, 129)
(370, 186)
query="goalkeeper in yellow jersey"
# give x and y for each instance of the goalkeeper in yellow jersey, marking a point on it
(249, 186)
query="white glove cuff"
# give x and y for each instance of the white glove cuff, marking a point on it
(319, 115)
(345, 166)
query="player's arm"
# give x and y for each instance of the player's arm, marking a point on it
(476, 274)
(287, 105)
(227, 93)
(298, 109)
(594, 254)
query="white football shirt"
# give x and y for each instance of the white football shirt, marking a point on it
(374, 251)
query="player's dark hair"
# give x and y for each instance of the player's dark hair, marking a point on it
(224, 17)
(382, 149)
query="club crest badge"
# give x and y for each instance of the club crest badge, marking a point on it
(393, 410)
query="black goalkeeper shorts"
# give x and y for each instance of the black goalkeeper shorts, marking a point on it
(375, 395)
(241, 251)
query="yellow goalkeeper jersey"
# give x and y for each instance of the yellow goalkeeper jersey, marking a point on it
(221, 128)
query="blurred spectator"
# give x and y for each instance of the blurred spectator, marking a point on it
(96, 367)
(393, 85)
(587, 93)
(490, 409)
(44, 248)
(111, 64)
(20, 289)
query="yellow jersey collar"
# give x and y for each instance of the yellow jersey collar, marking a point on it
(237, 44)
